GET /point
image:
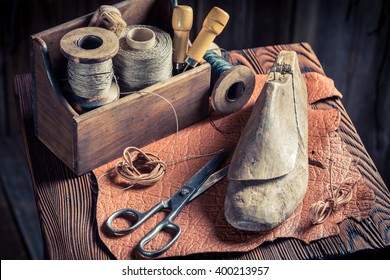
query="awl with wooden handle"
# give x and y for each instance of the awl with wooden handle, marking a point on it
(182, 19)
(213, 25)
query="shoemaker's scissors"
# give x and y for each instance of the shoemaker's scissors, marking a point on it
(200, 182)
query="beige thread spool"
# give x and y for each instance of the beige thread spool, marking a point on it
(110, 18)
(140, 38)
(144, 58)
(89, 51)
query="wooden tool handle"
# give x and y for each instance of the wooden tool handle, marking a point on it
(212, 26)
(182, 19)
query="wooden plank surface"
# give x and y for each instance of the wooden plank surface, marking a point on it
(352, 40)
(67, 202)
(52, 114)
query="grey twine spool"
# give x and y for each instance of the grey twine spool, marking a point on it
(144, 58)
(90, 80)
(89, 51)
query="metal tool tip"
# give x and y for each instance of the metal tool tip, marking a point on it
(185, 68)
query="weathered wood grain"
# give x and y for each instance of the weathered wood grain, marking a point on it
(52, 112)
(250, 23)
(67, 202)
(352, 40)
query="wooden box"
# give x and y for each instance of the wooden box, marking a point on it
(88, 140)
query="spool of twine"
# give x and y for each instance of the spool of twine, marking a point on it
(232, 85)
(90, 80)
(110, 18)
(89, 51)
(144, 58)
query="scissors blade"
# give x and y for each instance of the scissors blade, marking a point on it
(211, 181)
(204, 173)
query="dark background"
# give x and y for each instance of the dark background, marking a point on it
(350, 37)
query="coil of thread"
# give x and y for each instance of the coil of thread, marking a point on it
(110, 18)
(144, 58)
(90, 80)
(89, 51)
(232, 85)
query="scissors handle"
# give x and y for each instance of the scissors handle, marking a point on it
(176, 204)
(164, 226)
(132, 216)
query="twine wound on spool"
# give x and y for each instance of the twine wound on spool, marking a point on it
(144, 58)
(89, 51)
(110, 18)
(90, 80)
(232, 85)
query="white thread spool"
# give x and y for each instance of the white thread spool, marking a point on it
(89, 51)
(141, 38)
(144, 58)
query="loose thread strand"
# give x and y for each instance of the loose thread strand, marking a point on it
(320, 211)
(146, 168)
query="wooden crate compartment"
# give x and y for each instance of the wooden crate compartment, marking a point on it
(88, 140)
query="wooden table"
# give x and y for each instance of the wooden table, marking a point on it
(66, 202)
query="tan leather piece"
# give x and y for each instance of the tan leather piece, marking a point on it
(320, 87)
(204, 228)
